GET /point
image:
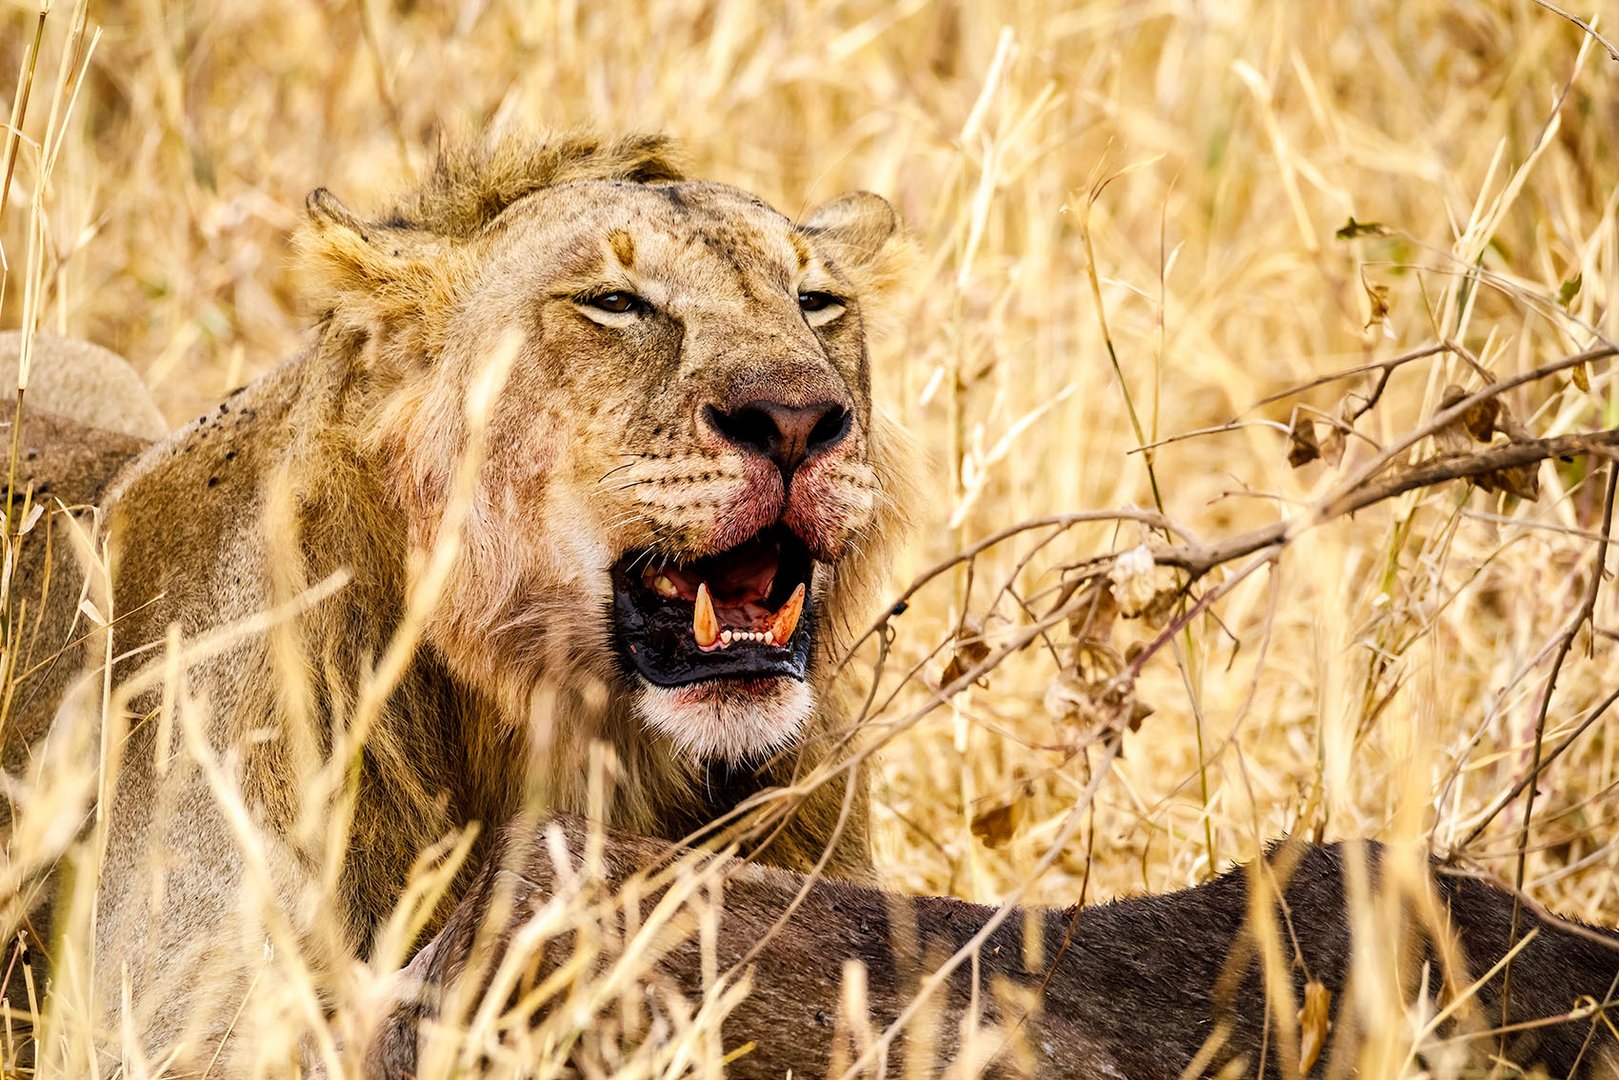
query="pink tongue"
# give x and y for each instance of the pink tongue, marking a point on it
(746, 578)
(751, 583)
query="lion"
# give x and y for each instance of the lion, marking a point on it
(681, 492)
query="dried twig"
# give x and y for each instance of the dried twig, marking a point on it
(1363, 492)
(1590, 30)
(1533, 775)
(1581, 616)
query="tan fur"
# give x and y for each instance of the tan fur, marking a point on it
(344, 460)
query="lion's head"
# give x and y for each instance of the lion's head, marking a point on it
(685, 483)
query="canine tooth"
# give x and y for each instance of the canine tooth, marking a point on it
(781, 628)
(705, 627)
(725, 637)
(664, 586)
(770, 638)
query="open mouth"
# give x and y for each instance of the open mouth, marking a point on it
(742, 613)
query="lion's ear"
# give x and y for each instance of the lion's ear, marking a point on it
(374, 273)
(860, 222)
(863, 234)
(326, 211)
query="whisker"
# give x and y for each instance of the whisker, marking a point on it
(618, 468)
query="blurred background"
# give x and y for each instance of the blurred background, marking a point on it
(1137, 219)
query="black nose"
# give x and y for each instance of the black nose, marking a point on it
(786, 434)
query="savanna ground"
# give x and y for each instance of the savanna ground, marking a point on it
(1136, 222)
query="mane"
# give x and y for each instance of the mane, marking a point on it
(471, 183)
(411, 259)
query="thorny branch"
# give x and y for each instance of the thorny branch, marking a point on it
(1357, 495)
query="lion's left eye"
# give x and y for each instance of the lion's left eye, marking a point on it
(617, 303)
(818, 301)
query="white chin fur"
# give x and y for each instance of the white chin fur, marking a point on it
(728, 719)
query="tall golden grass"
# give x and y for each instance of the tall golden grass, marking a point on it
(1133, 223)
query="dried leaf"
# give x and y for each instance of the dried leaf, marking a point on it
(1095, 613)
(1522, 481)
(971, 650)
(1068, 695)
(1096, 662)
(1377, 297)
(1092, 698)
(1582, 377)
(1314, 1024)
(997, 825)
(1302, 447)
(1161, 606)
(1134, 576)
(1088, 692)
(1507, 424)
(1567, 291)
(1332, 447)
(1353, 229)
(1076, 694)
(1479, 419)
(1477, 424)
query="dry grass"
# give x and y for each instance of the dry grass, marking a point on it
(1162, 180)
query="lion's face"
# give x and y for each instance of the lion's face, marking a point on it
(681, 462)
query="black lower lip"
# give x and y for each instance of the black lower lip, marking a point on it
(655, 641)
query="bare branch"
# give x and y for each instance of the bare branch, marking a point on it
(1354, 496)
(1581, 616)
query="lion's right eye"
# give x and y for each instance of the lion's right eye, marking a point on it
(617, 303)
